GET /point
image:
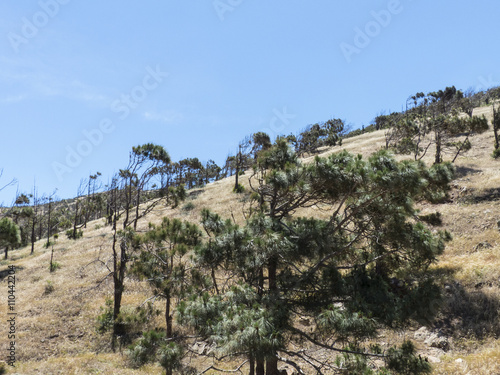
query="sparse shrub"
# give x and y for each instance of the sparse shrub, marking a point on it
(496, 153)
(152, 347)
(54, 266)
(105, 320)
(144, 349)
(49, 287)
(74, 236)
(434, 218)
(170, 356)
(65, 223)
(177, 195)
(239, 189)
(130, 320)
(405, 360)
(188, 207)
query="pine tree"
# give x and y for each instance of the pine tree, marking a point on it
(362, 269)
(125, 190)
(496, 128)
(9, 234)
(161, 261)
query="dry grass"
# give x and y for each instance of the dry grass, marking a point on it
(484, 361)
(56, 331)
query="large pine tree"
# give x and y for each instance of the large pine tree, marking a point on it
(361, 269)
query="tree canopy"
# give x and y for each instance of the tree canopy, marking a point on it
(359, 270)
(9, 234)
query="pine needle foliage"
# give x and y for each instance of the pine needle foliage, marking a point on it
(362, 269)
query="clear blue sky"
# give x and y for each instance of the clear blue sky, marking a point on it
(197, 76)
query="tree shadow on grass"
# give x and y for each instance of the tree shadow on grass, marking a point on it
(467, 311)
(461, 171)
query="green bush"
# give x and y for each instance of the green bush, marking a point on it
(131, 320)
(105, 320)
(152, 347)
(434, 218)
(188, 206)
(144, 349)
(54, 266)
(239, 189)
(70, 234)
(496, 153)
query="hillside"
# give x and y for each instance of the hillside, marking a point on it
(56, 312)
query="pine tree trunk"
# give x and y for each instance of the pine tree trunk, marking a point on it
(251, 363)
(76, 219)
(495, 128)
(168, 317)
(272, 366)
(118, 284)
(236, 182)
(128, 203)
(51, 259)
(33, 236)
(437, 158)
(137, 207)
(272, 362)
(259, 368)
(40, 230)
(48, 224)
(6, 251)
(214, 280)
(118, 278)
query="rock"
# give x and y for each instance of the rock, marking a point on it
(433, 339)
(305, 321)
(483, 245)
(459, 360)
(199, 347)
(422, 333)
(433, 359)
(438, 340)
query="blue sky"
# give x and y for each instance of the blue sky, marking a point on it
(81, 82)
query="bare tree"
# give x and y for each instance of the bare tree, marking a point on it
(241, 160)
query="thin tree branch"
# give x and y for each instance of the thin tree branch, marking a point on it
(212, 367)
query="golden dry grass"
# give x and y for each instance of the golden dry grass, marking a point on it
(56, 331)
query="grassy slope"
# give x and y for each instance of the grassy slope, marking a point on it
(56, 331)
